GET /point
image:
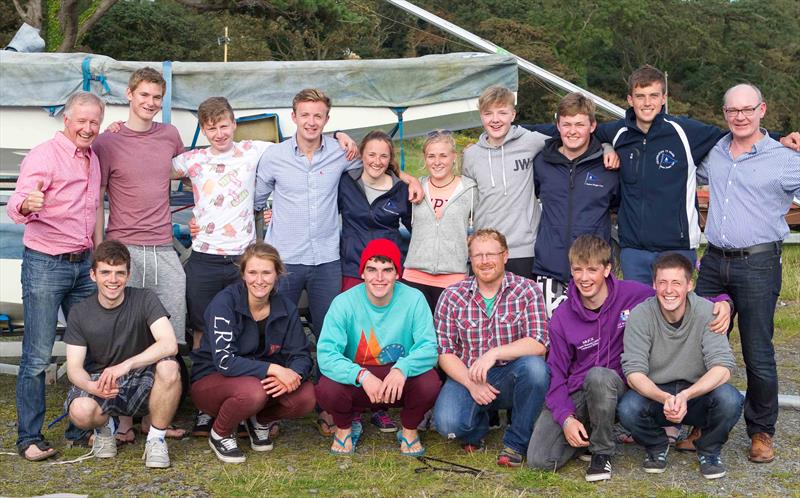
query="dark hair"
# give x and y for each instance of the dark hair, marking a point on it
(672, 260)
(381, 137)
(378, 258)
(589, 249)
(646, 76)
(113, 253)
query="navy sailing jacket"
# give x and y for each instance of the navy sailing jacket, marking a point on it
(658, 210)
(363, 222)
(576, 199)
(232, 345)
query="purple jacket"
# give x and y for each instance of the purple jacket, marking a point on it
(581, 339)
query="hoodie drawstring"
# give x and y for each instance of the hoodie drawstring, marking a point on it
(503, 168)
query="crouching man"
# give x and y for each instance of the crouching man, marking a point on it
(677, 369)
(492, 331)
(120, 348)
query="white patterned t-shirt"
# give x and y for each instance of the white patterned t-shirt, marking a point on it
(223, 187)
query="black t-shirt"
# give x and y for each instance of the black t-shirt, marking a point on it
(111, 336)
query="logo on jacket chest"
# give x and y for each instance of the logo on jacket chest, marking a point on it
(523, 164)
(623, 319)
(589, 343)
(592, 180)
(665, 159)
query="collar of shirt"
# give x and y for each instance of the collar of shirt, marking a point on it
(299, 153)
(473, 285)
(70, 148)
(763, 143)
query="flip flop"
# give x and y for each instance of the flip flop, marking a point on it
(44, 446)
(343, 443)
(125, 437)
(173, 432)
(325, 428)
(403, 441)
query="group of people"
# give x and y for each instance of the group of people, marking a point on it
(496, 303)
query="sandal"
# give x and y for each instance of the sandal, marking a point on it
(403, 441)
(125, 437)
(343, 444)
(325, 428)
(173, 431)
(43, 446)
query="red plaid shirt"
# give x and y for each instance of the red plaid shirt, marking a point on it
(464, 329)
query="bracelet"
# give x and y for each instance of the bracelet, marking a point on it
(361, 376)
(334, 134)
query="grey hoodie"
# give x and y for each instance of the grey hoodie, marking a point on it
(440, 246)
(506, 199)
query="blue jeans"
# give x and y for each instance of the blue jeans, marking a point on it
(754, 283)
(715, 413)
(48, 282)
(522, 385)
(637, 264)
(321, 282)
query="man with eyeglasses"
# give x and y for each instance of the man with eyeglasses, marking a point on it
(659, 155)
(492, 333)
(752, 180)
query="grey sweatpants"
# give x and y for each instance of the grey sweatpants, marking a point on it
(159, 269)
(595, 407)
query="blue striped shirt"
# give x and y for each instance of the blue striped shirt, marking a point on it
(749, 194)
(305, 213)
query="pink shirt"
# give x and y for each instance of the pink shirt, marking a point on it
(71, 187)
(136, 168)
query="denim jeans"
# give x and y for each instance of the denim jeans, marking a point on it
(754, 283)
(637, 264)
(715, 413)
(321, 282)
(595, 407)
(48, 282)
(522, 384)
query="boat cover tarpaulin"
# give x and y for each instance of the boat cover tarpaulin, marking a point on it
(47, 79)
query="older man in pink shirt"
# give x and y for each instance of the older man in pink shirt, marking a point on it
(57, 198)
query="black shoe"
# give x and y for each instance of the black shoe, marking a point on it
(226, 449)
(202, 424)
(711, 466)
(241, 430)
(259, 436)
(494, 419)
(599, 469)
(656, 462)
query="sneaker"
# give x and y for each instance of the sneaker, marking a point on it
(259, 435)
(105, 444)
(585, 456)
(202, 424)
(494, 419)
(241, 430)
(383, 422)
(155, 454)
(509, 458)
(473, 447)
(226, 449)
(599, 469)
(656, 463)
(711, 466)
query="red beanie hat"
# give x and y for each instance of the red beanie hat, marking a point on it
(381, 247)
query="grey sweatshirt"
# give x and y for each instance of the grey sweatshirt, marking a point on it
(506, 198)
(440, 246)
(666, 354)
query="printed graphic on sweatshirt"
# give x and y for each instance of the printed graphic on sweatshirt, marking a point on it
(369, 351)
(623, 319)
(592, 180)
(588, 343)
(665, 159)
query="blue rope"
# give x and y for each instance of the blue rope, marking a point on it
(88, 77)
(166, 105)
(399, 127)
(59, 419)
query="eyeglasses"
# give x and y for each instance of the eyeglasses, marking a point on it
(747, 112)
(439, 133)
(485, 255)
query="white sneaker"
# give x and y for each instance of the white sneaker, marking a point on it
(155, 454)
(105, 444)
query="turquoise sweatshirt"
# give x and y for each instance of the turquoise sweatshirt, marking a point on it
(357, 334)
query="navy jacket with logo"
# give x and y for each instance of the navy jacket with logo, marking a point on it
(658, 209)
(363, 222)
(577, 197)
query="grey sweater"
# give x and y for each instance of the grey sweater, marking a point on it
(440, 246)
(506, 198)
(665, 354)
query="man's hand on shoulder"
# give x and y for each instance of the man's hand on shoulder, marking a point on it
(415, 192)
(115, 126)
(792, 141)
(610, 157)
(348, 145)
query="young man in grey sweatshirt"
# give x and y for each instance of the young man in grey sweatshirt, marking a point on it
(677, 371)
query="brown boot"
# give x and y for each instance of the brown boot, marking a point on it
(688, 443)
(761, 448)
